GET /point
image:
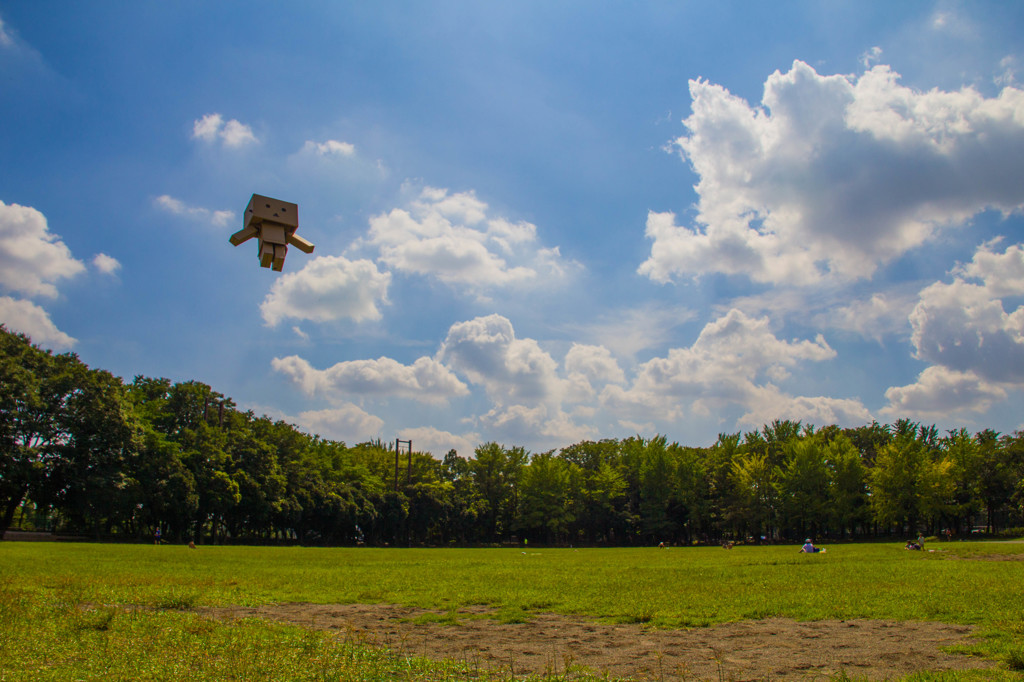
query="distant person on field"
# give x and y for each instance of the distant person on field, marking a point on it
(809, 547)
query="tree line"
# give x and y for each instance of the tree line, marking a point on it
(83, 453)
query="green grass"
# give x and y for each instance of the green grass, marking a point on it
(63, 608)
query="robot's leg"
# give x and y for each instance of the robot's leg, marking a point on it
(280, 250)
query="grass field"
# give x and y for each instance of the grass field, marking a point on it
(63, 615)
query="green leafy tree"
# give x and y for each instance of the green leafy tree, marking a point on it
(756, 494)
(908, 486)
(597, 492)
(495, 471)
(27, 429)
(691, 504)
(723, 497)
(802, 485)
(543, 509)
(1001, 471)
(93, 483)
(657, 487)
(964, 454)
(847, 504)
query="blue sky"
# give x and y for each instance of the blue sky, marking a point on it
(535, 222)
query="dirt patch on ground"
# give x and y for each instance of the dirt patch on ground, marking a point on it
(992, 557)
(768, 649)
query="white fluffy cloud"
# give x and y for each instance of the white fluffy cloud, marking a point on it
(204, 215)
(29, 319)
(940, 392)
(232, 133)
(535, 423)
(1002, 273)
(587, 366)
(108, 265)
(32, 259)
(962, 328)
(523, 381)
(452, 238)
(768, 403)
(834, 175)
(511, 370)
(734, 362)
(426, 380)
(347, 422)
(328, 288)
(963, 325)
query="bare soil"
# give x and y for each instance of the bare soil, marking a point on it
(776, 649)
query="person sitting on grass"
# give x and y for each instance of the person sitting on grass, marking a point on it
(912, 545)
(809, 547)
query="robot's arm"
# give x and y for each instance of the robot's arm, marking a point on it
(300, 243)
(245, 234)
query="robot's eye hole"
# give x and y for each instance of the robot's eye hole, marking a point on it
(267, 205)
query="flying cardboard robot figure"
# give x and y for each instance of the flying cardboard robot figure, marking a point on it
(274, 222)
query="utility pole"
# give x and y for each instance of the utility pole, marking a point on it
(408, 472)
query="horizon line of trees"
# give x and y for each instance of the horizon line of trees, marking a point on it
(81, 452)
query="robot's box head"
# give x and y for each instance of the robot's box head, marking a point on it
(263, 209)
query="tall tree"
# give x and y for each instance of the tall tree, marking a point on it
(908, 486)
(543, 508)
(756, 494)
(802, 483)
(847, 486)
(29, 432)
(495, 471)
(93, 483)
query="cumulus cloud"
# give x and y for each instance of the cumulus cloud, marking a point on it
(426, 380)
(734, 362)
(834, 175)
(108, 265)
(32, 259)
(511, 370)
(962, 328)
(940, 392)
(589, 366)
(347, 422)
(168, 203)
(452, 238)
(232, 133)
(1001, 273)
(769, 404)
(535, 423)
(29, 319)
(328, 288)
